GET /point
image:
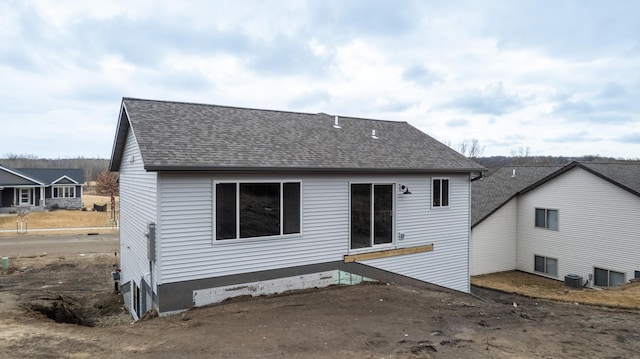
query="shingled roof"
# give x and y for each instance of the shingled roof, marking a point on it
(197, 137)
(497, 189)
(39, 176)
(49, 175)
(492, 192)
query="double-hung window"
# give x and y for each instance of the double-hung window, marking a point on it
(547, 218)
(440, 192)
(371, 214)
(247, 210)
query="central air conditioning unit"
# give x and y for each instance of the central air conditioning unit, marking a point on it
(573, 281)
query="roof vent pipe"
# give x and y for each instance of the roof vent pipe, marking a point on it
(373, 135)
(335, 124)
(513, 174)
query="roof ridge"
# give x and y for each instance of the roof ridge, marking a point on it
(634, 163)
(261, 109)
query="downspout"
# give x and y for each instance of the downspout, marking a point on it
(469, 237)
(478, 177)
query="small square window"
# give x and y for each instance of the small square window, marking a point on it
(546, 265)
(546, 218)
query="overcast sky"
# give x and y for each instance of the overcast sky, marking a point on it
(557, 77)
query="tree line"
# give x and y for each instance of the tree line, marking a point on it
(91, 167)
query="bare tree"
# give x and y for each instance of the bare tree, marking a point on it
(471, 148)
(107, 183)
(522, 156)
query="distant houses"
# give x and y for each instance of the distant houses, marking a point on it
(221, 201)
(582, 219)
(40, 188)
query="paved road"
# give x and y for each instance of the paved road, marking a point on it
(58, 244)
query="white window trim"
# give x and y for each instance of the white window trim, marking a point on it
(29, 195)
(376, 247)
(63, 189)
(261, 238)
(433, 193)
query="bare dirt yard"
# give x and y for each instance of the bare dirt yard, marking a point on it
(62, 305)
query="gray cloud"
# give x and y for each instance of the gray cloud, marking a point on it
(286, 55)
(395, 106)
(489, 101)
(362, 18)
(310, 99)
(633, 137)
(577, 137)
(421, 75)
(570, 29)
(457, 122)
(611, 104)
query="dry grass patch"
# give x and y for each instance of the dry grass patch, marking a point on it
(623, 296)
(89, 200)
(65, 218)
(58, 219)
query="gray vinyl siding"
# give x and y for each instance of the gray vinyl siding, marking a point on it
(188, 251)
(598, 226)
(138, 192)
(493, 241)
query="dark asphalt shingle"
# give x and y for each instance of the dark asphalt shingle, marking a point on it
(48, 175)
(174, 135)
(492, 192)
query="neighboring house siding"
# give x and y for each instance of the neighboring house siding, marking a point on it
(493, 242)
(138, 192)
(598, 226)
(186, 218)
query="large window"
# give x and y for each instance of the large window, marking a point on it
(440, 192)
(546, 265)
(64, 192)
(607, 278)
(371, 215)
(246, 210)
(547, 218)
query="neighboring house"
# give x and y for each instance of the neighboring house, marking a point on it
(222, 201)
(580, 219)
(40, 188)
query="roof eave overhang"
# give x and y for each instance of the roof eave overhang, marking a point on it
(120, 139)
(163, 168)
